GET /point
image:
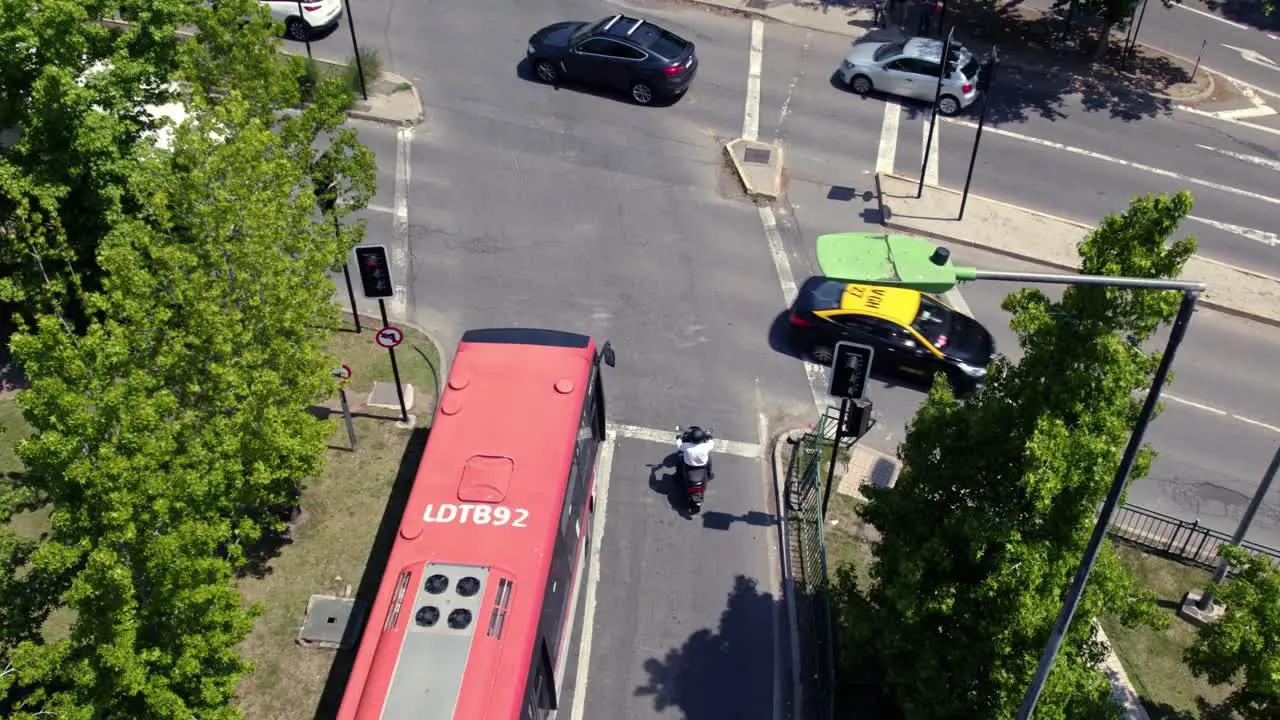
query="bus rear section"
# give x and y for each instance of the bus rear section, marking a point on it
(473, 613)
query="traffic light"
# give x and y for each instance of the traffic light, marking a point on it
(849, 370)
(375, 271)
(857, 421)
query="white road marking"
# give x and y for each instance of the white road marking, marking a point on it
(887, 151)
(1264, 162)
(775, 548)
(931, 171)
(791, 90)
(1262, 236)
(1233, 121)
(400, 250)
(1211, 16)
(380, 209)
(751, 113)
(1254, 57)
(1198, 406)
(787, 280)
(604, 466)
(957, 301)
(1125, 163)
(1262, 425)
(727, 447)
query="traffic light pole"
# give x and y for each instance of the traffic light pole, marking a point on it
(1206, 600)
(835, 450)
(933, 116)
(985, 87)
(346, 273)
(395, 369)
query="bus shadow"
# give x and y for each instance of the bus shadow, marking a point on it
(726, 672)
(366, 592)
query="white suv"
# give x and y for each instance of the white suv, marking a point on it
(316, 15)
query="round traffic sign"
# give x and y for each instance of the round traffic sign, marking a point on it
(342, 373)
(389, 336)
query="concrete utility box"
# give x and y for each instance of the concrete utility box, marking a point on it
(331, 623)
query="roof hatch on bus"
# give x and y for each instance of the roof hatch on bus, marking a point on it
(485, 479)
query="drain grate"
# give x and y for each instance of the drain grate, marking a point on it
(759, 156)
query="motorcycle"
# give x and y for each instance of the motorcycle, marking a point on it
(693, 479)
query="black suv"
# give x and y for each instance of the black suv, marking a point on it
(619, 52)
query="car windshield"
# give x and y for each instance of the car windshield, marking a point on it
(889, 50)
(584, 31)
(933, 321)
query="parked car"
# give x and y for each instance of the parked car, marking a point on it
(618, 53)
(912, 332)
(316, 15)
(909, 68)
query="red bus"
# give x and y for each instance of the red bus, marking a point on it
(471, 618)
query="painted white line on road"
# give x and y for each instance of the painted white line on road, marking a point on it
(931, 172)
(1212, 16)
(957, 301)
(728, 447)
(787, 281)
(1264, 162)
(1198, 406)
(1216, 116)
(1254, 57)
(751, 113)
(604, 466)
(1262, 236)
(400, 227)
(791, 91)
(1257, 111)
(887, 151)
(380, 209)
(1262, 425)
(1125, 163)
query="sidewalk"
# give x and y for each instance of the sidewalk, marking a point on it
(1021, 33)
(1049, 240)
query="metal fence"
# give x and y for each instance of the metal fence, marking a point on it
(1187, 541)
(805, 478)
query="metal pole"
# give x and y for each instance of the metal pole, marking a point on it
(351, 23)
(346, 273)
(835, 449)
(1198, 57)
(988, 80)
(943, 71)
(1206, 600)
(306, 29)
(1104, 280)
(1076, 591)
(346, 416)
(395, 369)
(1124, 61)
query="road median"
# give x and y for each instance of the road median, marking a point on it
(1046, 239)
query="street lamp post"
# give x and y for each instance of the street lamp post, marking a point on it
(904, 261)
(1220, 574)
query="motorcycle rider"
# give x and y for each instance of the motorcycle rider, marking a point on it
(695, 447)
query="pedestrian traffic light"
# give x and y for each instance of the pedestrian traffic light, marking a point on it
(849, 370)
(375, 271)
(857, 421)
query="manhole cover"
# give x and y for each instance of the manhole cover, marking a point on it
(758, 4)
(756, 155)
(331, 622)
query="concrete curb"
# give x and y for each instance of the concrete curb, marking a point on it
(756, 193)
(1123, 693)
(784, 552)
(752, 13)
(888, 223)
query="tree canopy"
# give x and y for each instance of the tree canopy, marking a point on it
(1243, 646)
(176, 305)
(989, 518)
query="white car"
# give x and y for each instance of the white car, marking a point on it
(316, 15)
(910, 68)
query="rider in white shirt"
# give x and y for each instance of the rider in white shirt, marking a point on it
(695, 447)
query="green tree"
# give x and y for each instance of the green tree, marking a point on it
(990, 516)
(1243, 647)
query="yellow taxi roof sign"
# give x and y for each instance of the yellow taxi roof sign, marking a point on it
(899, 305)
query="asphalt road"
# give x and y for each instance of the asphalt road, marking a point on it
(531, 205)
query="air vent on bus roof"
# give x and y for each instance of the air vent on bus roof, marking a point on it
(498, 617)
(397, 600)
(485, 479)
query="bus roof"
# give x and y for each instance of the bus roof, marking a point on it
(477, 534)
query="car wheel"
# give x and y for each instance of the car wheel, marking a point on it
(641, 93)
(861, 84)
(295, 29)
(822, 354)
(948, 106)
(546, 71)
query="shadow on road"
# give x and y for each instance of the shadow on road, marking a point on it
(665, 480)
(1246, 12)
(723, 672)
(336, 683)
